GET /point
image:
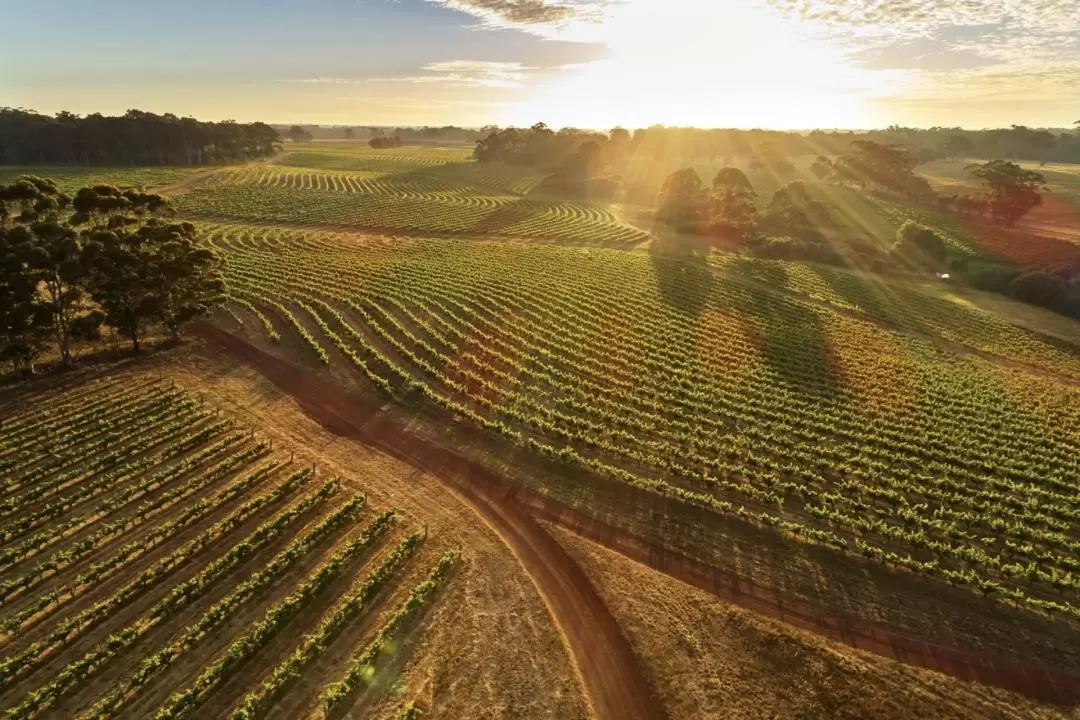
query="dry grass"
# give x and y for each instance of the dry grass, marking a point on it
(709, 659)
(489, 649)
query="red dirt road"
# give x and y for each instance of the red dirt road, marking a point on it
(613, 679)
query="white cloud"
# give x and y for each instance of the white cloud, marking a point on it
(467, 73)
(517, 12)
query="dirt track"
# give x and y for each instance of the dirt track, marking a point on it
(615, 685)
(613, 680)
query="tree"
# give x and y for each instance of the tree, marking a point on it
(919, 245)
(33, 197)
(112, 251)
(822, 167)
(1011, 191)
(298, 134)
(55, 256)
(681, 200)
(733, 180)
(957, 146)
(153, 272)
(350, 134)
(110, 206)
(890, 167)
(792, 211)
(121, 265)
(731, 208)
(134, 138)
(24, 319)
(187, 277)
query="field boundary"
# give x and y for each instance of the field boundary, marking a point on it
(615, 685)
(346, 414)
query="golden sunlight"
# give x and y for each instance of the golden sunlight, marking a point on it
(708, 64)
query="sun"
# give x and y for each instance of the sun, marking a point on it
(706, 64)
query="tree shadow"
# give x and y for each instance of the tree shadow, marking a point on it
(680, 266)
(791, 334)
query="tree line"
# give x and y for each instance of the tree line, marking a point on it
(540, 145)
(423, 134)
(134, 138)
(105, 257)
(795, 225)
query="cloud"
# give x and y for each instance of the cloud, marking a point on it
(921, 54)
(451, 73)
(514, 12)
(467, 73)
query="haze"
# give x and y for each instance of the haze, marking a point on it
(587, 63)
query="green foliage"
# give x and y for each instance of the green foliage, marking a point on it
(726, 210)
(637, 366)
(381, 143)
(135, 138)
(113, 261)
(822, 167)
(794, 212)
(919, 245)
(886, 166)
(1011, 190)
(298, 134)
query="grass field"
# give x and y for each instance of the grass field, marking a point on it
(160, 561)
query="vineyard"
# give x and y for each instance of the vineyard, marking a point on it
(902, 306)
(70, 178)
(710, 390)
(157, 561)
(403, 190)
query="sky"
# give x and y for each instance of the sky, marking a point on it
(785, 64)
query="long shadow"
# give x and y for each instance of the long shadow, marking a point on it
(794, 347)
(683, 277)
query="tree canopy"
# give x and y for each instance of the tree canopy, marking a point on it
(134, 138)
(114, 260)
(298, 134)
(919, 245)
(726, 209)
(1011, 191)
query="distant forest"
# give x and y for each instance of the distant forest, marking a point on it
(146, 139)
(134, 138)
(540, 145)
(423, 134)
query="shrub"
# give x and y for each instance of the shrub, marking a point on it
(1038, 288)
(919, 244)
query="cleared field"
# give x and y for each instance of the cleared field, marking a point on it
(660, 373)
(703, 654)
(70, 178)
(158, 561)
